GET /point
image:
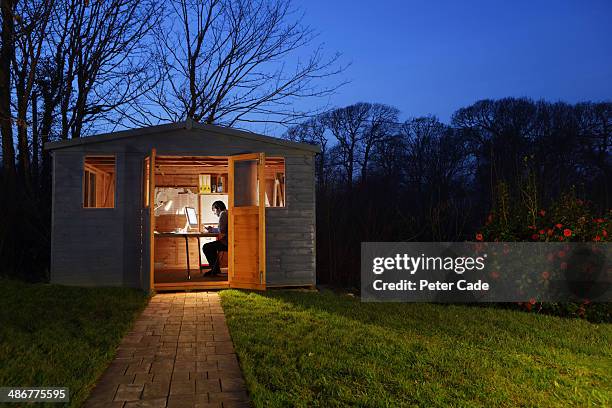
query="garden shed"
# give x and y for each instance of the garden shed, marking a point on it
(131, 208)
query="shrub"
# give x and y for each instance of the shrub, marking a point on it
(568, 219)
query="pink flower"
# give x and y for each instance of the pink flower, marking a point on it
(532, 301)
(604, 233)
(535, 237)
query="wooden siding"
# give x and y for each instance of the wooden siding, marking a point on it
(290, 230)
(104, 247)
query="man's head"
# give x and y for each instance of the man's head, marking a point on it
(218, 206)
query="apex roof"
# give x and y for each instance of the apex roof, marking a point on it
(187, 125)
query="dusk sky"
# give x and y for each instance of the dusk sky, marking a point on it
(433, 57)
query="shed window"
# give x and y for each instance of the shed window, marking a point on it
(99, 182)
(275, 182)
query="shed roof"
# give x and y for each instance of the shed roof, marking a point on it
(187, 124)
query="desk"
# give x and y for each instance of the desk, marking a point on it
(188, 235)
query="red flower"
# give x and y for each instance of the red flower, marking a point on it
(528, 305)
(531, 227)
(559, 226)
(599, 220)
(545, 275)
(560, 238)
(567, 232)
(542, 213)
(535, 237)
(479, 237)
(604, 233)
(532, 301)
(597, 238)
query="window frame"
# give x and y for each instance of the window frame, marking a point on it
(285, 206)
(83, 174)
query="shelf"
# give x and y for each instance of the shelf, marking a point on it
(214, 194)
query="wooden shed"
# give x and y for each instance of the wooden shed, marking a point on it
(130, 208)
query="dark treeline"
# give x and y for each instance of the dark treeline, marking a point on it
(423, 180)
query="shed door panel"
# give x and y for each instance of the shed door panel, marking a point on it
(247, 221)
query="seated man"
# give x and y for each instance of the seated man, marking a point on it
(212, 249)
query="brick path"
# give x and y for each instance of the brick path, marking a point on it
(178, 354)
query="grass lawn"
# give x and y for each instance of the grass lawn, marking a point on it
(61, 336)
(326, 350)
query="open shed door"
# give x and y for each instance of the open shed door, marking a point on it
(247, 221)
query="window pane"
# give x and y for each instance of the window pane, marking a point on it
(99, 182)
(246, 191)
(275, 182)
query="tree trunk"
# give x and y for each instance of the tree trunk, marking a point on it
(35, 141)
(6, 56)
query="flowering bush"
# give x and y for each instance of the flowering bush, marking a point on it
(569, 219)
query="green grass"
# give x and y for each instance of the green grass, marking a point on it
(61, 336)
(326, 350)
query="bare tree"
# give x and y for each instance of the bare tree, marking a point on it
(98, 61)
(382, 123)
(7, 52)
(31, 27)
(347, 126)
(226, 62)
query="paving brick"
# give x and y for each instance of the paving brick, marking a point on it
(128, 392)
(156, 390)
(206, 385)
(182, 387)
(143, 378)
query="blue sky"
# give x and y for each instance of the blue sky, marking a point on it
(433, 57)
